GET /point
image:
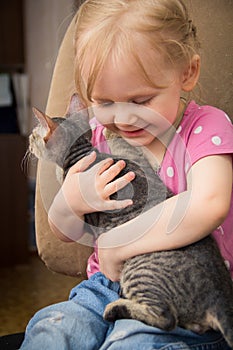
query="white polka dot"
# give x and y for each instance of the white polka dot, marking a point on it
(179, 129)
(216, 140)
(170, 171)
(89, 268)
(198, 130)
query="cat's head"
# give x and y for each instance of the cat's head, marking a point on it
(52, 138)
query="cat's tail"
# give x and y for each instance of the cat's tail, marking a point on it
(160, 317)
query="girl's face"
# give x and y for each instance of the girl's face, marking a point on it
(130, 106)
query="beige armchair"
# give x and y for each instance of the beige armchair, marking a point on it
(215, 25)
(66, 258)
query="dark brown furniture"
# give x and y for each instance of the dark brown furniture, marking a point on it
(14, 232)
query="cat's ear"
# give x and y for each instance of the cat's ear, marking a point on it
(75, 105)
(46, 122)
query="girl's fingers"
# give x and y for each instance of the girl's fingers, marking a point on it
(117, 205)
(104, 168)
(83, 163)
(103, 165)
(118, 184)
(111, 172)
(97, 183)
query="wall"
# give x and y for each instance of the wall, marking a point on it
(214, 20)
(45, 23)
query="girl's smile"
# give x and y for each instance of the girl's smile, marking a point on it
(133, 133)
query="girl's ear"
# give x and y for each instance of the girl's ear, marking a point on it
(191, 74)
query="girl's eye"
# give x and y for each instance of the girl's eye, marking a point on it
(103, 104)
(106, 104)
(143, 102)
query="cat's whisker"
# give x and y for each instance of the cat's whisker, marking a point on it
(26, 162)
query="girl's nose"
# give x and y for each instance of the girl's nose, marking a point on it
(125, 114)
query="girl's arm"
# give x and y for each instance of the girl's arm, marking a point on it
(178, 221)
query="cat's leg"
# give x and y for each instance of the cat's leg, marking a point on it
(160, 316)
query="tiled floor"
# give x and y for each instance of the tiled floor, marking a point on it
(24, 289)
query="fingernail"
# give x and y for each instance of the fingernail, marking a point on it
(122, 162)
(131, 174)
(91, 154)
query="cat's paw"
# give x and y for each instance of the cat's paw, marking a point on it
(116, 310)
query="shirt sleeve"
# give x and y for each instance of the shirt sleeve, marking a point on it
(98, 140)
(210, 134)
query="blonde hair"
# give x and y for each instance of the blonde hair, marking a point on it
(107, 28)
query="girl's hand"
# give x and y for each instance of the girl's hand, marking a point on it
(89, 190)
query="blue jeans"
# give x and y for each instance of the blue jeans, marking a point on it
(78, 324)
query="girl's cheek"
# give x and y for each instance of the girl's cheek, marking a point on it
(103, 114)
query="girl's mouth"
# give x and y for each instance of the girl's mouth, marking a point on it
(132, 133)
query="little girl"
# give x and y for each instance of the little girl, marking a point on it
(132, 54)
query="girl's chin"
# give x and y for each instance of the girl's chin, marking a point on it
(139, 141)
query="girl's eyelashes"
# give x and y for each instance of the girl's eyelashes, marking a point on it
(143, 102)
(106, 104)
(102, 103)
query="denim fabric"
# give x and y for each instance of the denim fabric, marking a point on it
(78, 324)
(134, 335)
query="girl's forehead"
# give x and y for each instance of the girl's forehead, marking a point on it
(137, 62)
(127, 80)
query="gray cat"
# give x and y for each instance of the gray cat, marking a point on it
(188, 287)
